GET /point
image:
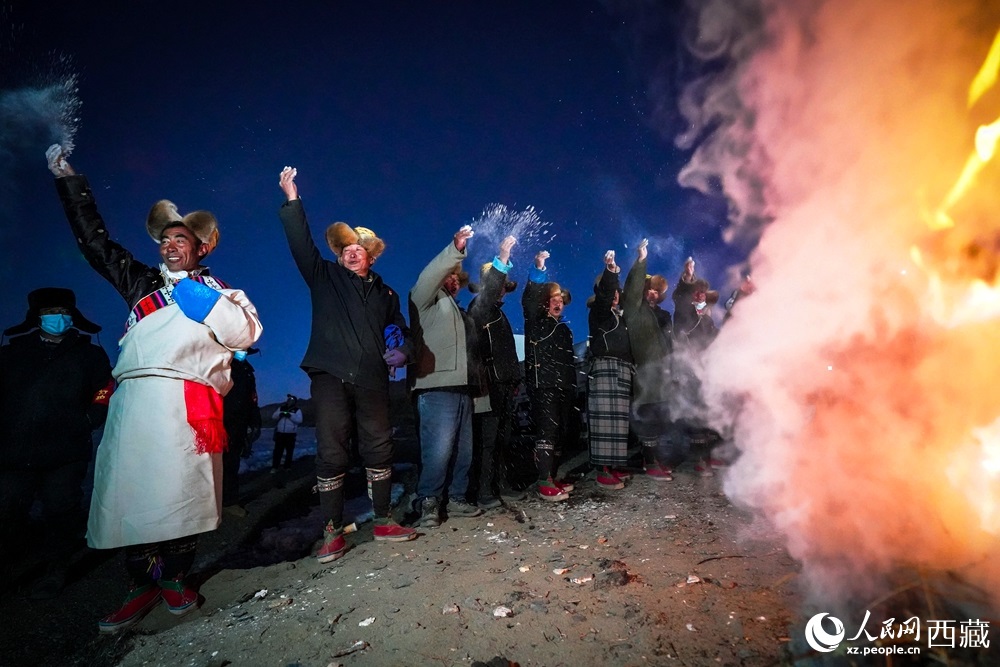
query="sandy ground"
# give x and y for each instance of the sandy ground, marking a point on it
(656, 573)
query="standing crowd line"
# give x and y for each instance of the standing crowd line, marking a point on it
(180, 408)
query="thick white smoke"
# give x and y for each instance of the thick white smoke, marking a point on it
(867, 425)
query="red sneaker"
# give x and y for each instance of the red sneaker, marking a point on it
(609, 480)
(565, 486)
(552, 492)
(334, 544)
(393, 532)
(180, 598)
(623, 475)
(659, 474)
(718, 463)
(140, 601)
(704, 469)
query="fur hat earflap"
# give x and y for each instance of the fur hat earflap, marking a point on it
(52, 297)
(463, 276)
(339, 235)
(201, 223)
(711, 296)
(551, 289)
(660, 284)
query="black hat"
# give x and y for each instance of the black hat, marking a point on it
(51, 297)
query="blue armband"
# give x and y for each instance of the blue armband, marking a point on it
(195, 300)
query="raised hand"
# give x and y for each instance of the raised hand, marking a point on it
(462, 237)
(505, 247)
(609, 261)
(287, 182)
(643, 249)
(540, 259)
(57, 161)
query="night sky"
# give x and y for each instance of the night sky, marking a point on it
(406, 117)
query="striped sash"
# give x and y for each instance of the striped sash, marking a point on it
(164, 297)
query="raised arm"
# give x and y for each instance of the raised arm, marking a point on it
(293, 218)
(429, 281)
(531, 297)
(635, 282)
(604, 295)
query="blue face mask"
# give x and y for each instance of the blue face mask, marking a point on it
(240, 355)
(56, 324)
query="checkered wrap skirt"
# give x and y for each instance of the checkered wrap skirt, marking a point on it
(609, 394)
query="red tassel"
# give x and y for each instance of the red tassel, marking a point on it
(204, 414)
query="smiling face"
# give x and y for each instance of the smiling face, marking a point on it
(355, 258)
(180, 249)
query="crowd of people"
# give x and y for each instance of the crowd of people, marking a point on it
(179, 408)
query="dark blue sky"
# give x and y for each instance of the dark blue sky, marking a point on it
(405, 117)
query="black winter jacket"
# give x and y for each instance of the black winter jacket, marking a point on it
(349, 315)
(608, 333)
(496, 337)
(47, 392)
(548, 349)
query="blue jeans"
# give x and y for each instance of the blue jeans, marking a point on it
(445, 444)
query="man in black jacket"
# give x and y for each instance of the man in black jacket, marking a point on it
(354, 342)
(54, 390)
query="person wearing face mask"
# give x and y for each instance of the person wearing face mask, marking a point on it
(54, 390)
(550, 374)
(358, 336)
(158, 472)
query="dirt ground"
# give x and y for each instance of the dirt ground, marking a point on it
(657, 573)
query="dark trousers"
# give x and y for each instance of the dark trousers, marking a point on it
(284, 445)
(170, 560)
(231, 473)
(340, 408)
(60, 494)
(552, 412)
(662, 438)
(492, 432)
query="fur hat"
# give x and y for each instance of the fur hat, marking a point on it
(711, 295)
(201, 223)
(659, 283)
(52, 297)
(339, 235)
(508, 285)
(463, 276)
(592, 299)
(549, 289)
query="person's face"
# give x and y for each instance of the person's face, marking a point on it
(555, 308)
(615, 298)
(180, 249)
(355, 258)
(451, 284)
(699, 296)
(652, 296)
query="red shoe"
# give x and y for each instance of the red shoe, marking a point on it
(565, 486)
(140, 601)
(180, 598)
(334, 545)
(704, 469)
(623, 475)
(718, 463)
(551, 492)
(393, 532)
(609, 480)
(659, 473)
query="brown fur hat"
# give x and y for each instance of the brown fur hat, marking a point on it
(659, 283)
(463, 276)
(550, 289)
(339, 235)
(201, 223)
(711, 296)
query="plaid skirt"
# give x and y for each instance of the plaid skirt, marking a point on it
(609, 393)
